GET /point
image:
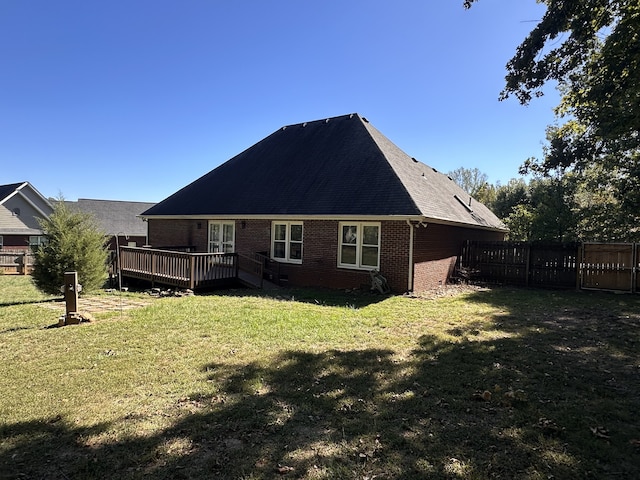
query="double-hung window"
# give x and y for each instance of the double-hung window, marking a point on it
(359, 245)
(221, 237)
(36, 241)
(286, 245)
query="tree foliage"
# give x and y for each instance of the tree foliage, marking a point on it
(471, 180)
(576, 37)
(590, 49)
(74, 242)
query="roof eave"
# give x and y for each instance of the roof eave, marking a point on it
(373, 218)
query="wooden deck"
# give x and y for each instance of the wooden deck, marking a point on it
(191, 270)
(178, 269)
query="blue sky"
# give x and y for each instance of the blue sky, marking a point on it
(132, 100)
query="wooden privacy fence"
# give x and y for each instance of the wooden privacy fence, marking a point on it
(16, 262)
(611, 266)
(601, 266)
(178, 269)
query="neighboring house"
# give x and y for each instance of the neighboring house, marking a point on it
(330, 201)
(117, 218)
(21, 205)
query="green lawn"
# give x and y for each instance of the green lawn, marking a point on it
(488, 383)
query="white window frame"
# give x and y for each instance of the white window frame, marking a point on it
(36, 241)
(358, 243)
(221, 243)
(287, 242)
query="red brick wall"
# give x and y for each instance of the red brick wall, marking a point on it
(254, 237)
(320, 249)
(434, 255)
(178, 233)
(436, 249)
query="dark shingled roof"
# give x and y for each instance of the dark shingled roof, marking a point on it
(115, 216)
(340, 166)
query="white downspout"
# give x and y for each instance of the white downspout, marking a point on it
(410, 275)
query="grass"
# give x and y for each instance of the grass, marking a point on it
(491, 383)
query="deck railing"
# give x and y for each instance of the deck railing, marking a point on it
(251, 270)
(178, 269)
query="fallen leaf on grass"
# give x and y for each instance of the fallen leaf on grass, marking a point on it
(600, 432)
(284, 469)
(549, 426)
(482, 396)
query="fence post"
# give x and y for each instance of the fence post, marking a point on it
(22, 260)
(527, 262)
(579, 265)
(634, 268)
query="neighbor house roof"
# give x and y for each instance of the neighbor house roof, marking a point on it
(115, 216)
(21, 205)
(6, 190)
(337, 167)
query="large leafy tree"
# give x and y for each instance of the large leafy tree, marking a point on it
(589, 46)
(472, 180)
(544, 209)
(515, 192)
(74, 242)
(591, 50)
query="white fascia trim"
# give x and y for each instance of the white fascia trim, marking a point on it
(18, 191)
(453, 223)
(12, 194)
(340, 218)
(360, 218)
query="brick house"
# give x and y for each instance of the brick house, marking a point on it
(328, 201)
(21, 205)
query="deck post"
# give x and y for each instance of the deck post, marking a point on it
(152, 270)
(192, 272)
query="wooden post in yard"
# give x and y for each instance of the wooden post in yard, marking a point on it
(71, 289)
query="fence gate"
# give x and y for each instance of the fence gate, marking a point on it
(610, 266)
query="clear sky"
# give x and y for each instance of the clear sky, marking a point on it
(134, 99)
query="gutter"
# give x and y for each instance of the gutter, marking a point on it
(410, 269)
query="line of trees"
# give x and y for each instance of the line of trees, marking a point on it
(568, 207)
(587, 185)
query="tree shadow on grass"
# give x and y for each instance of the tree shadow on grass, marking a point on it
(548, 395)
(356, 298)
(30, 302)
